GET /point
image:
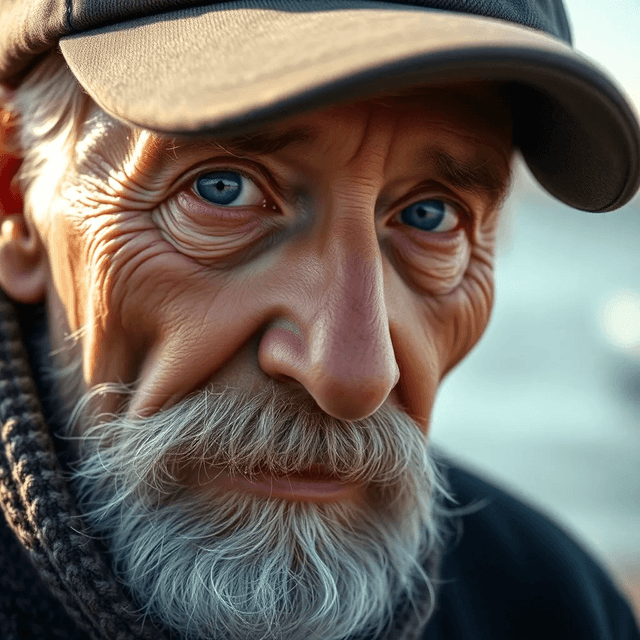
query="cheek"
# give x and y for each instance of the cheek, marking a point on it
(432, 264)
(432, 332)
(463, 315)
(136, 277)
(439, 297)
(68, 265)
(109, 280)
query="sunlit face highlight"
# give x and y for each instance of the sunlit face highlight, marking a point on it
(324, 277)
(268, 318)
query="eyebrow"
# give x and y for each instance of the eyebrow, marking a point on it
(488, 177)
(260, 143)
(484, 177)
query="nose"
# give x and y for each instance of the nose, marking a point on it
(333, 335)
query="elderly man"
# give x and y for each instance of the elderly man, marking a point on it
(244, 244)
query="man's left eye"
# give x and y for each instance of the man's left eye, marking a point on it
(228, 189)
(431, 215)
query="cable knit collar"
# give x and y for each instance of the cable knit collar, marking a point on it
(40, 510)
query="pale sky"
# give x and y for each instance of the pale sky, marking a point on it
(608, 31)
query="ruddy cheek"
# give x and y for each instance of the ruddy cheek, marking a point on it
(198, 232)
(434, 265)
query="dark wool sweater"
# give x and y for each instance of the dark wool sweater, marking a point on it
(508, 574)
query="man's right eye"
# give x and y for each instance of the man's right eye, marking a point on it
(432, 214)
(228, 189)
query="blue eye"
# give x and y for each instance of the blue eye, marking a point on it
(227, 188)
(430, 215)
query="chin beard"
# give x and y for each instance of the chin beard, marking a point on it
(225, 565)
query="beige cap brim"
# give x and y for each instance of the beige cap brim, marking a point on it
(225, 69)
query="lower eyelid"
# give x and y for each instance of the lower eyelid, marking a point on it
(434, 263)
(208, 214)
(207, 243)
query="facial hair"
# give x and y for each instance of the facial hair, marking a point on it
(225, 565)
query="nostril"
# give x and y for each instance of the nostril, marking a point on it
(282, 354)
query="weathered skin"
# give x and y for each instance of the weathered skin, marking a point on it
(319, 283)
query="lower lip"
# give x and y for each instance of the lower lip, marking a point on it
(301, 487)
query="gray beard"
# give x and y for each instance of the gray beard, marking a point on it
(232, 565)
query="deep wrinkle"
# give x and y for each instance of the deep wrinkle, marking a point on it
(328, 268)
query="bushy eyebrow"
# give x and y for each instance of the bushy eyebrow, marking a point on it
(260, 143)
(489, 177)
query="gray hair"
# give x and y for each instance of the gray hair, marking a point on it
(230, 565)
(47, 110)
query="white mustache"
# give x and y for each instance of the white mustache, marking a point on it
(274, 431)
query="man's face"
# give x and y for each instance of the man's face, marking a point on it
(273, 315)
(345, 252)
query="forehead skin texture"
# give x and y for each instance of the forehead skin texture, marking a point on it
(317, 284)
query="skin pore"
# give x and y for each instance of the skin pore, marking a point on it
(317, 281)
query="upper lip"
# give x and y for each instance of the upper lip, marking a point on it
(313, 473)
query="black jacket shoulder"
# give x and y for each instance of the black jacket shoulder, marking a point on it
(511, 573)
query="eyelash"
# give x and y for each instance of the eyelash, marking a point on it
(424, 191)
(272, 193)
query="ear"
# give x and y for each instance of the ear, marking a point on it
(22, 256)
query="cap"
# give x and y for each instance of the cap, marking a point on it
(225, 68)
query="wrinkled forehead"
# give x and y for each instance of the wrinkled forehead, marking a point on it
(479, 113)
(476, 108)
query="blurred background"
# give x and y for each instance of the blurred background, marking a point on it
(548, 404)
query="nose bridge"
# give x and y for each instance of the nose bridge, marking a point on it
(351, 324)
(343, 354)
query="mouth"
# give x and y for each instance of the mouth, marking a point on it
(312, 485)
(309, 486)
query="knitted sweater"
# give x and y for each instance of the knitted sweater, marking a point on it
(54, 581)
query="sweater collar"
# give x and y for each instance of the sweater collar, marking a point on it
(40, 509)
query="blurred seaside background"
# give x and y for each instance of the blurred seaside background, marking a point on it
(548, 404)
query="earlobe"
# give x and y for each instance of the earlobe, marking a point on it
(22, 261)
